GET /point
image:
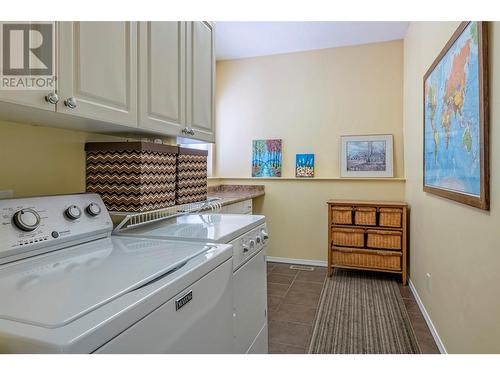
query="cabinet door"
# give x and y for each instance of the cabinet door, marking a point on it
(201, 80)
(242, 208)
(31, 98)
(162, 76)
(98, 69)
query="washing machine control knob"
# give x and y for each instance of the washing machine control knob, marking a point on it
(27, 219)
(245, 247)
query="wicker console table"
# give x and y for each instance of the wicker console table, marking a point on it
(368, 235)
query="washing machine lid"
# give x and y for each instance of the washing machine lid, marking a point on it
(57, 288)
(219, 228)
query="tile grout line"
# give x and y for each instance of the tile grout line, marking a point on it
(278, 307)
(295, 276)
(282, 301)
(284, 295)
(309, 325)
(298, 323)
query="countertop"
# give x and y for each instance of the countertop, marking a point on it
(230, 194)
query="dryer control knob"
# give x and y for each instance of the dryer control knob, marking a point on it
(93, 209)
(265, 235)
(73, 212)
(252, 244)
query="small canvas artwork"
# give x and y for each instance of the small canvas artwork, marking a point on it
(304, 165)
(266, 158)
(367, 156)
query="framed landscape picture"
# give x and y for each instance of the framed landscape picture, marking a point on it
(366, 156)
(266, 158)
(456, 129)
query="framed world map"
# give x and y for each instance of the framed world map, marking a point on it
(456, 154)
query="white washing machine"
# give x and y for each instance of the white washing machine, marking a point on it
(68, 286)
(248, 235)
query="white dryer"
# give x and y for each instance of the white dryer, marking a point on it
(68, 286)
(248, 236)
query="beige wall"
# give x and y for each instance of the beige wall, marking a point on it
(297, 216)
(456, 244)
(36, 160)
(309, 100)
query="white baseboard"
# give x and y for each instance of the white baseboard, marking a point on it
(427, 318)
(305, 262)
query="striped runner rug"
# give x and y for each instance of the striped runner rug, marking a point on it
(362, 313)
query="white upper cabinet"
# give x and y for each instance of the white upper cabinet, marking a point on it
(201, 80)
(133, 77)
(162, 76)
(176, 78)
(98, 71)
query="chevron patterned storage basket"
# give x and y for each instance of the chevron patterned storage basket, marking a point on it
(132, 176)
(191, 175)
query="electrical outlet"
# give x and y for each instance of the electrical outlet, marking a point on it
(4, 194)
(428, 282)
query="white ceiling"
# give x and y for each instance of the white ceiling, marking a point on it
(236, 40)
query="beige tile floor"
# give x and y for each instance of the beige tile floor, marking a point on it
(293, 297)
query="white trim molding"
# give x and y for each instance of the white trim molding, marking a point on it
(305, 262)
(427, 318)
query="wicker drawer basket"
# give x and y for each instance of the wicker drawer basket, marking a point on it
(341, 215)
(383, 239)
(384, 260)
(365, 216)
(348, 237)
(390, 217)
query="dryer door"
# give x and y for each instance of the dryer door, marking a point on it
(250, 304)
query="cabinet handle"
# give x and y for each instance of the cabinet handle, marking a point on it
(70, 102)
(52, 97)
